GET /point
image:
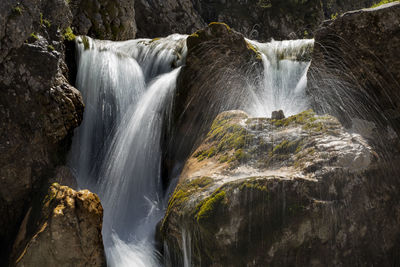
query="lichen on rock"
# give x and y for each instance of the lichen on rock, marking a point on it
(285, 198)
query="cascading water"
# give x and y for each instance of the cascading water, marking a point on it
(128, 88)
(116, 151)
(285, 76)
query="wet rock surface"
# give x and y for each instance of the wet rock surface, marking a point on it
(217, 57)
(64, 231)
(295, 191)
(104, 19)
(39, 108)
(161, 18)
(356, 62)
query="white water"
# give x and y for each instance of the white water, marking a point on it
(116, 152)
(128, 88)
(285, 78)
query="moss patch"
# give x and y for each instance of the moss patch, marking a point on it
(384, 2)
(85, 42)
(220, 23)
(301, 118)
(207, 208)
(69, 35)
(184, 190)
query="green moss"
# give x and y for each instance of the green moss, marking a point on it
(301, 118)
(34, 36)
(334, 16)
(85, 42)
(17, 10)
(314, 126)
(240, 155)
(264, 3)
(155, 39)
(50, 47)
(252, 48)
(208, 208)
(253, 185)
(384, 2)
(223, 158)
(220, 23)
(287, 147)
(69, 35)
(44, 22)
(182, 191)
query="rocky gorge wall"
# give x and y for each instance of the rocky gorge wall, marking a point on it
(40, 108)
(261, 20)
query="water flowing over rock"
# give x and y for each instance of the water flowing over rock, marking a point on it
(129, 87)
(295, 191)
(356, 63)
(220, 72)
(64, 231)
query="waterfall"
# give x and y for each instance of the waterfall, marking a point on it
(128, 88)
(116, 151)
(285, 77)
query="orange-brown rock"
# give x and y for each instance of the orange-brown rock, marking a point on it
(67, 232)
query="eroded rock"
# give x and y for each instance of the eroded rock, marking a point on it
(296, 191)
(220, 70)
(66, 233)
(356, 63)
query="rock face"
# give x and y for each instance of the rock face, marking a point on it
(296, 191)
(220, 67)
(161, 18)
(104, 19)
(334, 7)
(356, 59)
(261, 20)
(265, 19)
(38, 106)
(67, 232)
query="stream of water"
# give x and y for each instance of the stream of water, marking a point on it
(128, 88)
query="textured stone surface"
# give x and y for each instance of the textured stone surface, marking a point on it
(160, 18)
(356, 63)
(39, 109)
(66, 233)
(104, 19)
(300, 191)
(261, 20)
(217, 57)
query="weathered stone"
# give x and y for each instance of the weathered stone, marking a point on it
(356, 63)
(161, 18)
(104, 19)
(296, 191)
(66, 233)
(220, 65)
(277, 115)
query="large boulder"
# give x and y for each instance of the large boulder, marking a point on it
(64, 231)
(356, 63)
(220, 71)
(299, 191)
